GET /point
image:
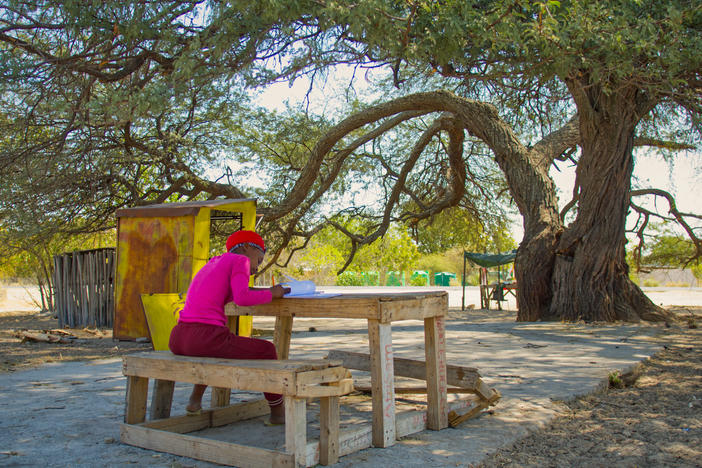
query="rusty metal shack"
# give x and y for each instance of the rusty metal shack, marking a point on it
(160, 248)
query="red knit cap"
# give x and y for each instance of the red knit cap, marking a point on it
(243, 236)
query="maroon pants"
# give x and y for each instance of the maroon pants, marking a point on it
(204, 340)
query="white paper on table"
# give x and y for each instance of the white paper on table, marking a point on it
(299, 288)
(304, 289)
(316, 294)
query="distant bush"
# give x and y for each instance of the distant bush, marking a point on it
(418, 281)
(677, 285)
(349, 278)
(650, 283)
(473, 279)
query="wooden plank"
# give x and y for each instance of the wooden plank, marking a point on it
(407, 422)
(161, 399)
(199, 448)
(58, 291)
(257, 375)
(334, 373)
(455, 419)
(220, 396)
(239, 412)
(340, 307)
(275, 365)
(343, 387)
(435, 352)
(137, 390)
(382, 380)
(418, 308)
(329, 430)
(111, 282)
(360, 306)
(458, 376)
(218, 375)
(214, 417)
(296, 429)
(415, 390)
(281, 336)
(181, 424)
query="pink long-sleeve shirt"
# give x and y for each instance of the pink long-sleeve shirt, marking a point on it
(223, 279)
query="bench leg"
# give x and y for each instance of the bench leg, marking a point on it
(161, 399)
(296, 429)
(220, 396)
(135, 407)
(382, 383)
(328, 430)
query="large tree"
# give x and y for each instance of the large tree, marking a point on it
(624, 65)
(593, 75)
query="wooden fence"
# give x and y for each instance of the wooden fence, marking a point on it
(84, 288)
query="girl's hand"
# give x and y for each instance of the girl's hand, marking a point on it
(279, 291)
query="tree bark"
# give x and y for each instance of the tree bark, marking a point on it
(590, 279)
(535, 195)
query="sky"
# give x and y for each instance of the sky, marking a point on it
(682, 178)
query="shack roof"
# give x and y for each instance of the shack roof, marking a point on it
(189, 208)
(490, 260)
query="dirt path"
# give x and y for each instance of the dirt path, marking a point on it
(656, 421)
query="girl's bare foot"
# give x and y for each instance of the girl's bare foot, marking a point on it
(194, 405)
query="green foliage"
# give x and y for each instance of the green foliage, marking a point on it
(458, 227)
(349, 278)
(326, 254)
(418, 280)
(473, 278)
(697, 271)
(668, 251)
(615, 380)
(451, 261)
(107, 104)
(30, 257)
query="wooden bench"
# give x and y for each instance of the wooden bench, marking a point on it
(296, 380)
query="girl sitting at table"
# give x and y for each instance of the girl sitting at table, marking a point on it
(202, 326)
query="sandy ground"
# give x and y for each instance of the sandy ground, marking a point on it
(557, 409)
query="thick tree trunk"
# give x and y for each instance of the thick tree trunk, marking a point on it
(590, 276)
(535, 194)
(533, 271)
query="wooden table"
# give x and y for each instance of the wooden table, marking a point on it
(380, 310)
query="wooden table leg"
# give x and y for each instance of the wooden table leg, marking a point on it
(281, 335)
(382, 383)
(435, 352)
